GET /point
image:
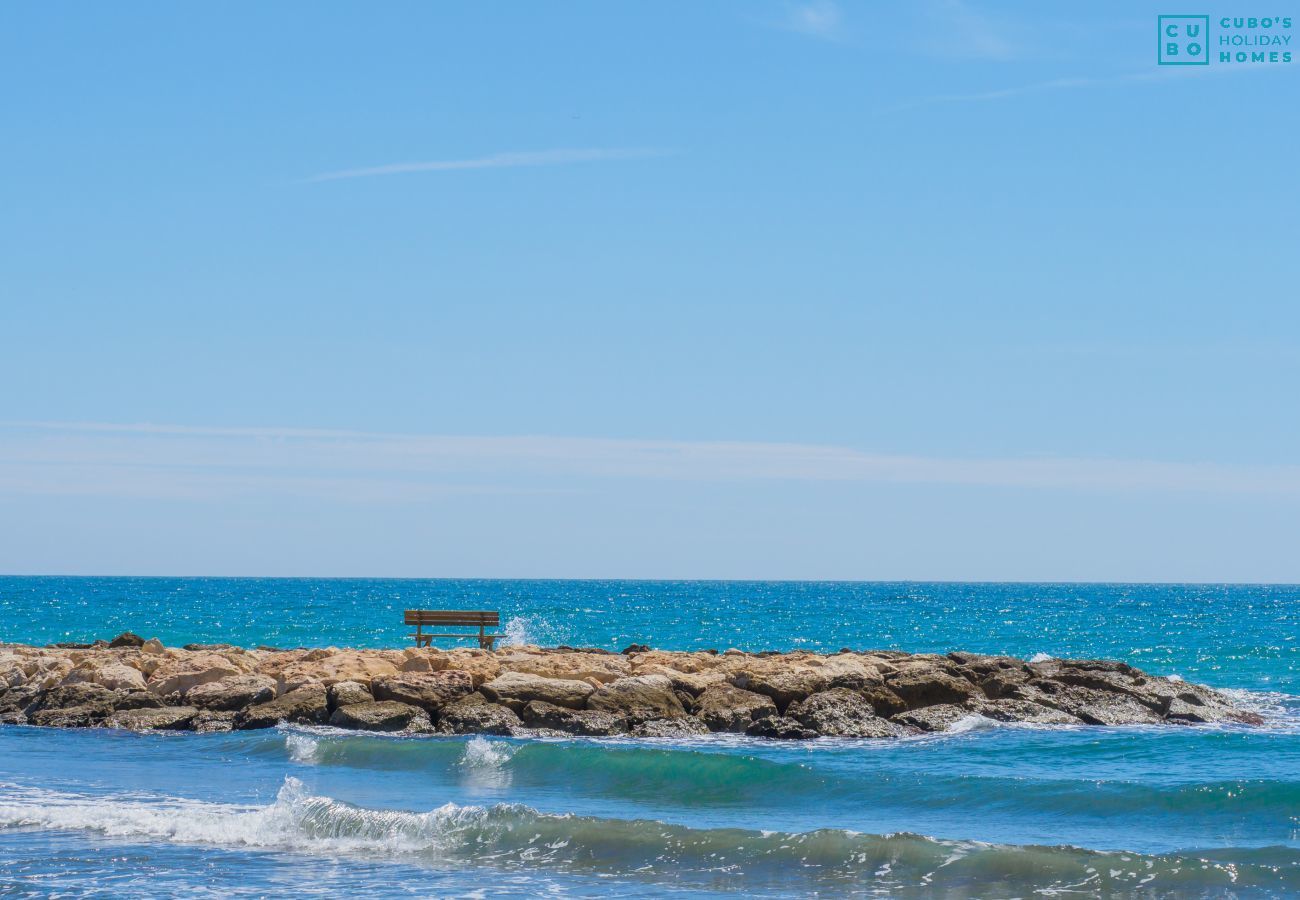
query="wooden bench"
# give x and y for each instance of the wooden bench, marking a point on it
(446, 618)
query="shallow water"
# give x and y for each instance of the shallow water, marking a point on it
(991, 810)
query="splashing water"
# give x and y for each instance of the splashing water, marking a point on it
(302, 748)
(484, 763)
(516, 632)
(481, 753)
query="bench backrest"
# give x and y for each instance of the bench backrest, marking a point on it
(477, 618)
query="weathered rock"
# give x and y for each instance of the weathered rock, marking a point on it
(638, 697)
(516, 689)
(84, 716)
(1097, 707)
(429, 691)
(540, 714)
(231, 693)
(181, 673)
(1012, 710)
(345, 693)
(884, 701)
(779, 727)
(840, 712)
(683, 727)
(936, 717)
(333, 667)
(725, 707)
(780, 680)
(692, 683)
(305, 706)
(213, 721)
(587, 667)
(475, 714)
(175, 718)
(849, 670)
(73, 705)
(110, 673)
(137, 700)
(422, 659)
(644, 691)
(381, 715)
(14, 704)
(932, 689)
(127, 639)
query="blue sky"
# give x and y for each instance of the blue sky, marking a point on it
(937, 290)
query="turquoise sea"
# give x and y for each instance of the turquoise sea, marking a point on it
(990, 810)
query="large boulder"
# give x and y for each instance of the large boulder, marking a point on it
(1013, 710)
(427, 690)
(84, 716)
(127, 639)
(306, 705)
(780, 727)
(108, 672)
(345, 693)
(475, 714)
(569, 666)
(840, 712)
(481, 665)
(335, 666)
(639, 697)
(232, 693)
(515, 689)
(213, 721)
(73, 706)
(937, 717)
(931, 688)
(692, 683)
(850, 670)
(178, 674)
(596, 723)
(381, 715)
(1094, 706)
(422, 659)
(783, 680)
(684, 727)
(14, 704)
(725, 707)
(173, 718)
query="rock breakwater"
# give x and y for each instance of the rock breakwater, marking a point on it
(139, 684)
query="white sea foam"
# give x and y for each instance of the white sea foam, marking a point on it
(480, 753)
(973, 722)
(295, 821)
(302, 748)
(484, 762)
(1041, 657)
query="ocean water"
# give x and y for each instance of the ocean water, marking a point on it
(986, 811)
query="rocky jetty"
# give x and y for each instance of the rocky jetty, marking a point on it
(138, 684)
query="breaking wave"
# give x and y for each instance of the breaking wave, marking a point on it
(517, 837)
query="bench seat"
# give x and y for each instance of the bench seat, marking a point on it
(470, 618)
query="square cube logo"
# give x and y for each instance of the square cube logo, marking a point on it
(1184, 40)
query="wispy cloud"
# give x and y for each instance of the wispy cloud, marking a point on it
(183, 462)
(1079, 83)
(820, 19)
(959, 31)
(497, 161)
